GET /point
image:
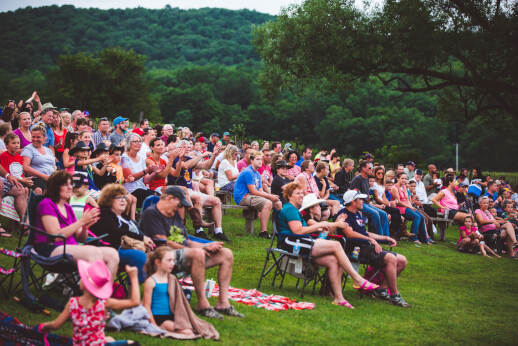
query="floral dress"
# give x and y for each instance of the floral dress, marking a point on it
(88, 325)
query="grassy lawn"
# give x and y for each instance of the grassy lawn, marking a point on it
(457, 299)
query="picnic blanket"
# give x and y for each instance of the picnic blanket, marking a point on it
(256, 298)
(13, 332)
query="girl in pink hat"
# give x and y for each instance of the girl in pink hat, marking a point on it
(88, 312)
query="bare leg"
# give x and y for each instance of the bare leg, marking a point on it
(391, 273)
(215, 203)
(225, 259)
(510, 237)
(264, 215)
(324, 247)
(335, 275)
(169, 325)
(89, 253)
(196, 258)
(20, 195)
(131, 208)
(208, 186)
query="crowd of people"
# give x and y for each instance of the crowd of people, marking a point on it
(97, 176)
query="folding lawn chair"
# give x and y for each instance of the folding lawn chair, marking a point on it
(284, 262)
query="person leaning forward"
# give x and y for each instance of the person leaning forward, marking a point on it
(191, 257)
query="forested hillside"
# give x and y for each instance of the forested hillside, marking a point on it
(198, 68)
(34, 37)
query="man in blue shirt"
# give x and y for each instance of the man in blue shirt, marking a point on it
(47, 115)
(248, 192)
(492, 193)
(306, 155)
(370, 251)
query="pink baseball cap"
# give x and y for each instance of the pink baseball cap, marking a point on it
(96, 278)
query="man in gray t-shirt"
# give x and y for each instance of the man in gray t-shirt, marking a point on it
(191, 256)
(429, 185)
(119, 133)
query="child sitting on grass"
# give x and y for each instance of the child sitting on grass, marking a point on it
(88, 312)
(156, 298)
(470, 239)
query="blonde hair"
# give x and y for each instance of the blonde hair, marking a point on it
(229, 151)
(108, 194)
(157, 254)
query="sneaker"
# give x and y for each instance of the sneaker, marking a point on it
(265, 235)
(396, 299)
(201, 234)
(221, 237)
(381, 293)
(210, 313)
(230, 311)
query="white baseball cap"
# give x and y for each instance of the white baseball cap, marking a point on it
(352, 195)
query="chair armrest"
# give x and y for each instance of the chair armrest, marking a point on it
(33, 229)
(92, 240)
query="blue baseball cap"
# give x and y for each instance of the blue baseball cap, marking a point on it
(226, 133)
(118, 120)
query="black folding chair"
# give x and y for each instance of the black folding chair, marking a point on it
(283, 262)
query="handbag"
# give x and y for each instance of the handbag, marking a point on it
(130, 243)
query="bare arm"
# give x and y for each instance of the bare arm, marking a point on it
(297, 228)
(437, 198)
(59, 321)
(119, 304)
(66, 159)
(149, 285)
(253, 191)
(31, 171)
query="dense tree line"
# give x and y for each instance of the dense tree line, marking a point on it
(215, 93)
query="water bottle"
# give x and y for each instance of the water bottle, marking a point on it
(356, 253)
(296, 248)
(323, 235)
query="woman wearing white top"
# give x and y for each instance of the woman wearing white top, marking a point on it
(227, 170)
(136, 174)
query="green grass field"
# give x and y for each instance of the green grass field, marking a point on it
(457, 299)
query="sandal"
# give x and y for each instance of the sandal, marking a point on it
(344, 303)
(230, 311)
(4, 233)
(364, 287)
(210, 313)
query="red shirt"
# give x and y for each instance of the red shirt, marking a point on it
(138, 131)
(157, 181)
(13, 164)
(59, 141)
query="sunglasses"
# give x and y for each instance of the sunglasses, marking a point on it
(104, 119)
(121, 197)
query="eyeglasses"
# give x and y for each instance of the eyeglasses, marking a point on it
(137, 141)
(124, 197)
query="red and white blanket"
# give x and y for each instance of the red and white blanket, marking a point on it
(256, 298)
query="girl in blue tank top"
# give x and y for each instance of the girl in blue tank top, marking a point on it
(156, 298)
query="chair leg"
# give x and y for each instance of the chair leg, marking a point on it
(264, 269)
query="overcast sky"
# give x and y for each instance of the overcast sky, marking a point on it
(268, 6)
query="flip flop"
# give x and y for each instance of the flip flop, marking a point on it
(344, 303)
(4, 233)
(364, 287)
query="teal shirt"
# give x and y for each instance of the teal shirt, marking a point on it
(289, 213)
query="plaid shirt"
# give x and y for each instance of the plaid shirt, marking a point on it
(97, 138)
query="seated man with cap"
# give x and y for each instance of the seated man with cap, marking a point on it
(164, 221)
(118, 135)
(409, 169)
(370, 251)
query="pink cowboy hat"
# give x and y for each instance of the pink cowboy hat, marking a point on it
(96, 278)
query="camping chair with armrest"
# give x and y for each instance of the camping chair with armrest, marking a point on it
(284, 262)
(35, 267)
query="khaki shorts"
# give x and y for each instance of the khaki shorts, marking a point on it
(254, 202)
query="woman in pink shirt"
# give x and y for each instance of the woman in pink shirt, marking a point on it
(490, 225)
(446, 199)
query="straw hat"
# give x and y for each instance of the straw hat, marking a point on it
(310, 200)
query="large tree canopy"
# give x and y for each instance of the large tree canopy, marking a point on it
(467, 49)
